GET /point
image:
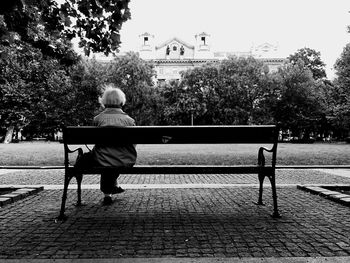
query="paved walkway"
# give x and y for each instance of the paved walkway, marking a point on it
(158, 219)
(339, 172)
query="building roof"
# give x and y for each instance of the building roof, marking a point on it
(183, 61)
(174, 39)
(146, 34)
(202, 34)
(273, 60)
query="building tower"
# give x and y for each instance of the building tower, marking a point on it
(203, 46)
(147, 46)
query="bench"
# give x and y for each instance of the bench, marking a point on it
(248, 134)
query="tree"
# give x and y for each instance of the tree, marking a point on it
(36, 24)
(265, 103)
(97, 23)
(241, 89)
(299, 104)
(174, 94)
(87, 78)
(221, 93)
(36, 55)
(341, 93)
(135, 77)
(199, 98)
(312, 61)
(34, 92)
(342, 67)
(48, 25)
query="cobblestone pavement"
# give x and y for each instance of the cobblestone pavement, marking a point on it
(176, 223)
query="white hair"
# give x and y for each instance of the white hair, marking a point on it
(112, 96)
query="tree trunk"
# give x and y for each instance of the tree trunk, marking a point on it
(9, 134)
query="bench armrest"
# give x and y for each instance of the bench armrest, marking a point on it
(67, 151)
(261, 157)
(72, 151)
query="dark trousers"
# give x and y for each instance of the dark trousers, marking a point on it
(108, 181)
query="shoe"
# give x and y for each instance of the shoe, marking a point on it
(107, 200)
(118, 190)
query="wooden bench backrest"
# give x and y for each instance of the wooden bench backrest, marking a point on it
(170, 134)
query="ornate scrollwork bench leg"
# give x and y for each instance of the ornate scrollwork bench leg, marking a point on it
(271, 175)
(261, 177)
(274, 195)
(79, 177)
(67, 177)
(69, 173)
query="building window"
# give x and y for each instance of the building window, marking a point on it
(203, 40)
(174, 48)
(145, 40)
(182, 50)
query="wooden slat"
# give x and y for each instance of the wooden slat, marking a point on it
(181, 169)
(170, 134)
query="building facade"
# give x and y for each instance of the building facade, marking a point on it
(174, 55)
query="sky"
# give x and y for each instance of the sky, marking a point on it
(238, 25)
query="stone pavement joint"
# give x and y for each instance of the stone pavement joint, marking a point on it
(322, 190)
(18, 193)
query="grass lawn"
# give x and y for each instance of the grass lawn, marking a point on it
(51, 154)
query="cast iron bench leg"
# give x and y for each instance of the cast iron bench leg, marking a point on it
(79, 178)
(274, 196)
(261, 176)
(67, 178)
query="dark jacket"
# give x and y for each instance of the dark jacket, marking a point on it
(107, 155)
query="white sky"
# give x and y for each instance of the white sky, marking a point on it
(237, 25)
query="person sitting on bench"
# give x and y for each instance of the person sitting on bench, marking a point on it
(112, 101)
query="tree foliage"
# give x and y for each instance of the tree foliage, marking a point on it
(242, 85)
(173, 111)
(87, 78)
(40, 95)
(239, 91)
(299, 105)
(34, 92)
(135, 77)
(97, 23)
(39, 88)
(198, 95)
(341, 92)
(312, 61)
(342, 67)
(223, 93)
(38, 24)
(49, 26)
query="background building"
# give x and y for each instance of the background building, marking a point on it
(174, 55)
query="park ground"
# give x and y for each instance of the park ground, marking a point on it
(177, 218)
(51, 154)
